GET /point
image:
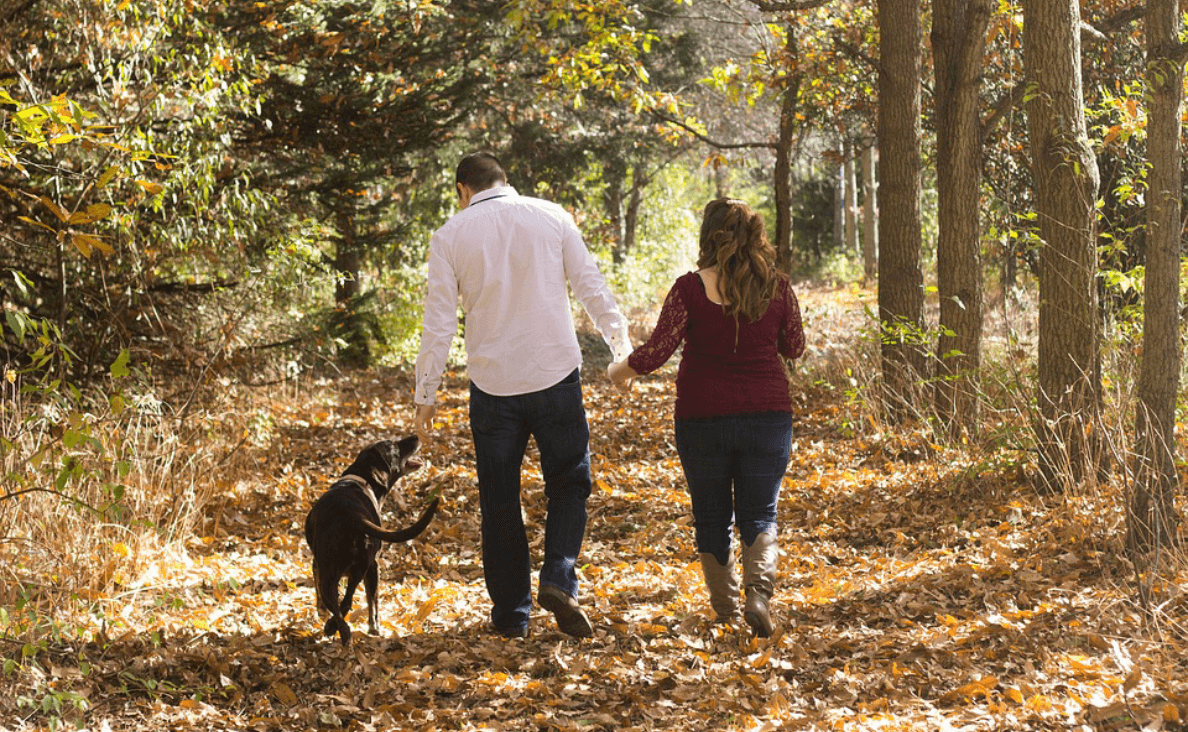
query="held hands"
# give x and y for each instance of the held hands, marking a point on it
(622, 376)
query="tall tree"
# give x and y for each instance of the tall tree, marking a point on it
(958, 43)
(851, 176)
(785, 143)
(1152, 515)
(1064, 171)
(870, 235)
(114, 130)
(901, 282)
(351, 93)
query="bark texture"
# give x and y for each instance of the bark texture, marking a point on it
(901, 281)
(1065, 175)
(1152, 513)
(958, 44)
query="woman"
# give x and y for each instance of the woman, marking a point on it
(737, 316)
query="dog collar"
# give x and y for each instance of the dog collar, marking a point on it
(354, 479)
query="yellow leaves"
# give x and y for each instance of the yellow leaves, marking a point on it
(86, 243)
(437, 596)
(974, 689)
(107, 176)
(83, 242)
(150, 187)
(283, 693)
(1171, 714)
(90, 214)
(55, 209)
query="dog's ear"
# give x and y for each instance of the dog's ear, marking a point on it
(374, 465)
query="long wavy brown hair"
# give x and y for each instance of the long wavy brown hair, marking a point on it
(734, 240)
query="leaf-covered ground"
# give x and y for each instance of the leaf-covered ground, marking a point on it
(918, 590)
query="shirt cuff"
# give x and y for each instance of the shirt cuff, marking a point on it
(425, 391)
(620, 343)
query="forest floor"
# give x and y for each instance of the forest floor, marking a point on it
(920, 588)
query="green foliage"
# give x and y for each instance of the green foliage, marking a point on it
(116, 169)
(667, 243)
(590, 48)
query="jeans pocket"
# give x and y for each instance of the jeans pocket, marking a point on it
(574, 379)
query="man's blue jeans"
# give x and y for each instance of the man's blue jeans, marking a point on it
(556, 419)
(734, 466)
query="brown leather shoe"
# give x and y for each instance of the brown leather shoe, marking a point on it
(570, 618)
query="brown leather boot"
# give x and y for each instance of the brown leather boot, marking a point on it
(759, 569)
(722, 584)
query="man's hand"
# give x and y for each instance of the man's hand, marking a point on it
(622, 376)
(424, 420)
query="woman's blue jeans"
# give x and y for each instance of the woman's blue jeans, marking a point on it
(734, 466)
(556, 419)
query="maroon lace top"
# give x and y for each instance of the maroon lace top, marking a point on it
(725, 368)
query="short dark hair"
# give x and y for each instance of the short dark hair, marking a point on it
(480, 171)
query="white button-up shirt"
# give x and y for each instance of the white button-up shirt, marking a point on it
(511, 259)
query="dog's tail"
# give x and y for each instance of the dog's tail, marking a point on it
(379, 532)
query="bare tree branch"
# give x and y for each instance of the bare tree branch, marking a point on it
(789, 6)
(710, 141)
(1178, 53)
(1004, 105)
(1121, 19)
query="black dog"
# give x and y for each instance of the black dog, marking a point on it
(343, 529)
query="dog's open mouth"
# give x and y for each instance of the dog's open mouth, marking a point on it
(413, 463)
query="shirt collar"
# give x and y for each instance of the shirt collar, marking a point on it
(493, 192)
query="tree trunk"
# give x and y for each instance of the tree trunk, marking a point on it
(634, 201)
(1065, 175)
(783, 159)
(851, 200)
(349, 325)
(839, 209)
(1152, 517)
(347, 258)
(870, 237)
(613, 200)
(958, 43)
(901, 282)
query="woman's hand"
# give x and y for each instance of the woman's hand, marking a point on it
(622, 376)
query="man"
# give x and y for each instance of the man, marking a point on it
(511, 258)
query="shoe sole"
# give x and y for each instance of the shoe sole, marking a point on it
(570, 620)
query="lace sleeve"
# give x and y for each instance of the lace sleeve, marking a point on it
(665, 338)
(792, 334)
